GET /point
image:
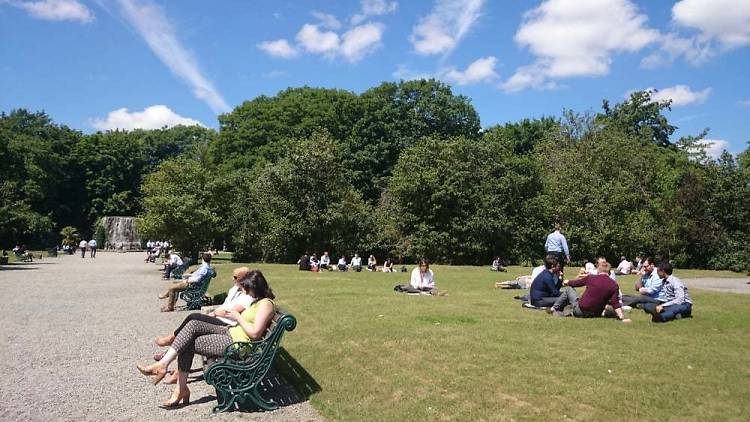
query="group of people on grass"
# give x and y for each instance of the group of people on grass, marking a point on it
(312, 263)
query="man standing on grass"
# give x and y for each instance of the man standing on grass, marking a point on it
(600, 291)
(678, 303)
(649, 287)
(83, 245)
(557, 246)
(545, 287)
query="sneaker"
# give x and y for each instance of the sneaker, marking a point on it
(627, 308)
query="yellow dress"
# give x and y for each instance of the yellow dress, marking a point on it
(236, 332)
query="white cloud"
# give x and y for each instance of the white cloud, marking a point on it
(403, 72)
(56, 10)
(720, 25)
(361, 40)
(575, 38)
(442, 30)
(326, 20)
(373, 8)
(744, 103)
(681, 95)
(714, 147)
(279, 48)
(316, 41)
(151, 23)
(154, 117)
(481, 70)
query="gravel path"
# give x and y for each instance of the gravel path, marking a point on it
(731, 285)
(72, 332)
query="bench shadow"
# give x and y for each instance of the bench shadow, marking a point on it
(288, 382)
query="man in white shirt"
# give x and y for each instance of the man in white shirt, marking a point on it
(625, 267)
(82, 245)
(92, 247)
(357, 263)
(325, 261)
(342, 264)
(557, 246)
(173, 262)
(198, 276)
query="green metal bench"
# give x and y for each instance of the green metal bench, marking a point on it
(179, 271)
(237, 375)
(195, 294)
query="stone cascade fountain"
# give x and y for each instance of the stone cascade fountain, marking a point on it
(121, 233)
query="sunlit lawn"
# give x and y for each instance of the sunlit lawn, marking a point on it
(477, 355)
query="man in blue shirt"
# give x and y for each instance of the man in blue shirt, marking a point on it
(677, 302)
(557, 246)
(545, 288)
(649, 287)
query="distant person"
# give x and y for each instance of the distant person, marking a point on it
(314, 263)
(638, 264)
(497, 264)
(342, 263)
(649, 287)
(625, 267)
(388, 266)
(371, 263)
(677, 299)
(422, 280)
(545, 287)
(521, 282)
(196, 277)
(325, 261)
(174, 262)
(83, 245)
(92, 248)
(589, 268)
(600, 291)
(304, 263)
(557, 246)
(357, 263)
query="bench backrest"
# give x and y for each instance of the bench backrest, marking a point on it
(262, 353)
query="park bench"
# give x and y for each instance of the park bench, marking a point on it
(237, 375)
(179, 271)
(195, 294)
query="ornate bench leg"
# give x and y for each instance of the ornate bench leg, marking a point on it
(260, 401)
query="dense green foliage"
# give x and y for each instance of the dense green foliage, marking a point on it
(402, 170)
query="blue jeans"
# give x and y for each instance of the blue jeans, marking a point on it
(669, 312)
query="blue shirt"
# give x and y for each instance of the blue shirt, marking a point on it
(545, 284)
(653, 284)
(675, 293)
(556, 243)
(199, 273)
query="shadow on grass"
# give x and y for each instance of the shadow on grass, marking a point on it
(288, 382)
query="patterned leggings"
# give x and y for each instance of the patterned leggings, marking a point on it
(202, 338)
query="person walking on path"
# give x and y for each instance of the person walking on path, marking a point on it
(83, 245)
(557, 246)
(92, 247)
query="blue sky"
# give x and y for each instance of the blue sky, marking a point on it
(99, 64)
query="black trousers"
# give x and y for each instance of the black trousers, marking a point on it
(199, 317)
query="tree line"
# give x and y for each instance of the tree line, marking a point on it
(403, 169)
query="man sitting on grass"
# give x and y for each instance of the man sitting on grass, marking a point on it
(678, 303)
(181, 285)
(649, 287)
(601, 291)
(545, 287)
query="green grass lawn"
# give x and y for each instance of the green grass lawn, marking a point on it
(477, 355)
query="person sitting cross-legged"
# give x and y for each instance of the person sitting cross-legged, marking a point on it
(325, 261)
(649, 287)
(677, 299)
(545, 287)
(601, 291)
(422, 280)
(182, 285)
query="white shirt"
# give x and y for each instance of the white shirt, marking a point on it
(422, 279)
(590, 269)
(625, 267)
(342, 261)
(235, 296)
(536, 271)
(175, 260)
(83, 244)
(325, 260)
(92, 243)
(357, 261)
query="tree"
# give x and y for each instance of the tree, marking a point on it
(181, 204)
(640, 117)
(70, 236)
(302, 203)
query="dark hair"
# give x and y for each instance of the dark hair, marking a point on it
(648, 259)
(666, 267)
(256, 282)
(424, 261)
(206, 257)
(550, 261)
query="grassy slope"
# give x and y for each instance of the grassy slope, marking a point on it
(476, 354)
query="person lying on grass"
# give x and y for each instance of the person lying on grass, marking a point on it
(677, 299)
(422, 280)
(196, 277)
(601, 291)
(236, 300)
(211, 340)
